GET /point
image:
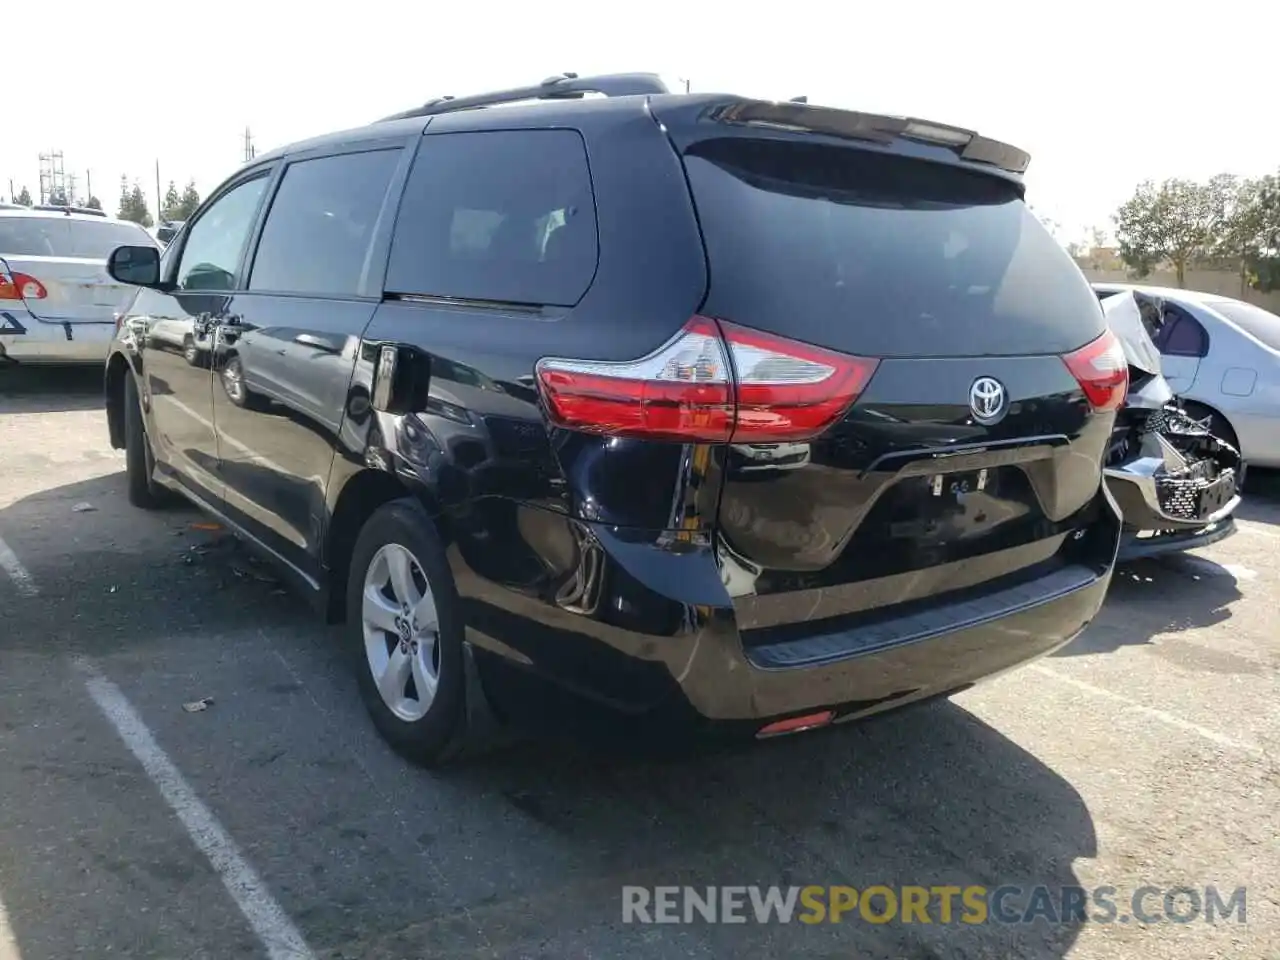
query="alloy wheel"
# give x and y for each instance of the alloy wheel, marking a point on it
(401, 632)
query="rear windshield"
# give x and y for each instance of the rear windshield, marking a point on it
(1261, 324)
(882, 255)
(64, 237)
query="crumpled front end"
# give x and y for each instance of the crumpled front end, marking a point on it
(1176, 483)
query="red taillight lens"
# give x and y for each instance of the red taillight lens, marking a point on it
(20, 286)
(712, 382)
(789, 391)
(681, 391)
(1102, 371)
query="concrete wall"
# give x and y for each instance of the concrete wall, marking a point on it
(1207, 281)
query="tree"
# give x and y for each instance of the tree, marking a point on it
(1239, 238)
(1097, 238)
(189, 203)
(133, 204)
(169, 211)
(93, 203)
(1262, 224)
(1176, 221)
(24, 197)
(57, 197)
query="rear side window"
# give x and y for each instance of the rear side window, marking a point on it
(320, 226)
(882, 255)
(504, 216)
(64, 237)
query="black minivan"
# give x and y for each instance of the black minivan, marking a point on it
(751, 416)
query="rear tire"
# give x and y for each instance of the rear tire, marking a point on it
(411, 676)
(139, 459)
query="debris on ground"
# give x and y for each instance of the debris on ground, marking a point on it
(83, 508)
(227, 553)
(195, 706)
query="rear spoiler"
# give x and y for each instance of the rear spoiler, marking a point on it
(797, 115)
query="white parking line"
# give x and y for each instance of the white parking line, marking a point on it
(272, 925)
(1213, 736)
(8, 942)
(19, 574)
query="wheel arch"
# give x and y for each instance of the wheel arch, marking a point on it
(113, 386)
(1192, 405)
(362, 493)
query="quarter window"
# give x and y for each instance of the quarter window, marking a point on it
(1181, 335)
(505, 216)
(320, 226)
(215, 242)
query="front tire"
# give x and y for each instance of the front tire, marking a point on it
(139, 458)
(404, 627)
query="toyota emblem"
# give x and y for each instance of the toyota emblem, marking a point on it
(987, 399)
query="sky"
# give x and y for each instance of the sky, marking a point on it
(1101, 98)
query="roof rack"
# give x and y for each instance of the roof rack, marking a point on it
(566, 86)
(68, 209)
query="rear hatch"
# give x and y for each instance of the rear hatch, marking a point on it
(979, 381)
(62, 263)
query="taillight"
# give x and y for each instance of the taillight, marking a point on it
(1102, 371)
(20, 286)
(714, 381)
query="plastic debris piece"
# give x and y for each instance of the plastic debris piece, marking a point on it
(195, 706)
(84, 508)
(206, 526)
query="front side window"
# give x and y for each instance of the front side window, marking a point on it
(320, 225)
(211, 253)
(505, 216)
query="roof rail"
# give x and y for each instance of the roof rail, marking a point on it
(68, 209)
(566, 86)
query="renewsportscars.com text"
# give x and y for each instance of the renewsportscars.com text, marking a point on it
(932, 904)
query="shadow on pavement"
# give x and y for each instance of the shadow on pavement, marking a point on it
(50, 389)
(1261, 502)
(522, 853)
(1157, 596)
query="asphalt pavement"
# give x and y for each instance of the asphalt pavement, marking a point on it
(186, 770)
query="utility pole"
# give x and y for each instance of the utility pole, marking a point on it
(12, 196)
(249, 152)
(687, 85)
(88, 184)
(52, 176)
(158, 201)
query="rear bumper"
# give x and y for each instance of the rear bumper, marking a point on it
(663, 642)
(44, 342)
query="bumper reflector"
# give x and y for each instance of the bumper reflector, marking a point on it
(795, 724)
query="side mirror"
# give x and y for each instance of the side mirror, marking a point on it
(137, 266)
